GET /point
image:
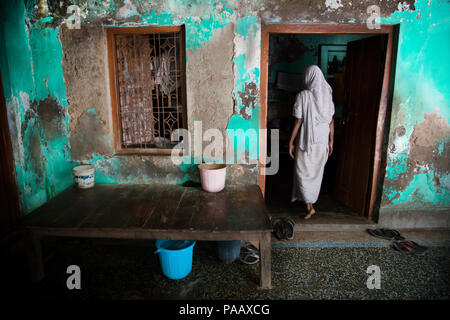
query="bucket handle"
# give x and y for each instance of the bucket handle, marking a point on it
(157, 251)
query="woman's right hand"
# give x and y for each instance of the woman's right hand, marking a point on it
(291, 150)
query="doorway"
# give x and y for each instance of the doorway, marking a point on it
(357, 63)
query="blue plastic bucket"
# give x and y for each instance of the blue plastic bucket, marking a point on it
(175, 257)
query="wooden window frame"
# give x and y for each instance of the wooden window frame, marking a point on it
(114, 90)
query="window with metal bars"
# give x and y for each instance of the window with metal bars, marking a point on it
(147, 74)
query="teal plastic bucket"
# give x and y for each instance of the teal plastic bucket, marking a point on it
(228, 251)
(175, 257)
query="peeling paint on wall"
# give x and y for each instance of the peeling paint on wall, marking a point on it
(246, 95)
(37, 106)
(249, 100)
(418, 162)
(333, 4)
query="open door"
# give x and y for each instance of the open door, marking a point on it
(9, 200)
(363, 82)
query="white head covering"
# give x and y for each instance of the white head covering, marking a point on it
(315, 82)
(317, 106)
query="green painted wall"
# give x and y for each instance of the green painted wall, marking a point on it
(35, 96)
(37, 105)
(417, 172)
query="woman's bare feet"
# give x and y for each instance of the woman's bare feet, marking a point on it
(310, 211)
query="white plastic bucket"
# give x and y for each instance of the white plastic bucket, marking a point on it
(212, 176)
(84, 176)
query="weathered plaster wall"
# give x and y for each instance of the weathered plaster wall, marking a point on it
(35, 94)
(85, 75)
(418, 163)
(210, 90)
(58, 97)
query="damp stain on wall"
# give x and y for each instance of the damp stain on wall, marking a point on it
(420, 173)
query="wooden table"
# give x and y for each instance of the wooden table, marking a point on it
(153, 212)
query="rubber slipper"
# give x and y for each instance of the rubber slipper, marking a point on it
(416, 248)
(277, 227)
(250, 258)
(249, 248)
(416, 245)
(290, 221)
(409, 248)
(283, 229)
(402, 248)
(386, 234)
(397, 235)
(290, 230)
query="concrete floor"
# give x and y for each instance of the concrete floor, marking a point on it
(314, 265)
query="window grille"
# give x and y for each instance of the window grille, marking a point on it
(149, 82)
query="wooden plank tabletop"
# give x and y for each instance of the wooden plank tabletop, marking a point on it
(154, 207)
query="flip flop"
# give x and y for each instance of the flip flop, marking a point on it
(416, 248)
(249, 248)
(386, 234)
(250, 258)
(409, 247)
(278, 229)
(402, 248)
(290, 231)
(283, 229)
(397, 235)
(416, 245)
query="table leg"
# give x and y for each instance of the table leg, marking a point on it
(34, 254)
(265, 248)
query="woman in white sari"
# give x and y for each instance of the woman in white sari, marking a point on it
(313, 110)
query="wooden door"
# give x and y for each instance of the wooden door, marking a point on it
(9, 200)
(363, 82)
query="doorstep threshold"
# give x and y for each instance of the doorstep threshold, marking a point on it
(330, 227)
(328, 221)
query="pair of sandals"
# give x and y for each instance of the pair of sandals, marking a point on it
(283, 229)
(250, 254)
(399, 242)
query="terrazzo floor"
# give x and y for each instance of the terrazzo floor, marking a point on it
(130, 270)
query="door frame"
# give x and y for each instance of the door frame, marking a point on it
(13, 210)
(386, 91)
